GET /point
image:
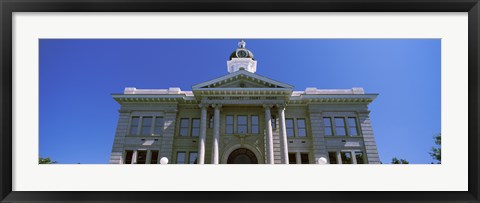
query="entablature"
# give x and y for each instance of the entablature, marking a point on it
(333, 98)
(151, 98)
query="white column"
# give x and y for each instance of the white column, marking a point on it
(134, 157)
(216, 133)
(354, 158)
(149, 156)
(283, 133)
(339, 157)
(269, 134)
(299, 158)
(203, 134)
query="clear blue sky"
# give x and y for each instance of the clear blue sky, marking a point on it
(78, 116)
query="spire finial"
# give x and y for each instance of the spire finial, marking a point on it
(242, 44)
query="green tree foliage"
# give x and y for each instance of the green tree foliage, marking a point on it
(46, 161)
(436, 151)
(399, 161)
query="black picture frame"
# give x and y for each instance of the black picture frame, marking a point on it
(9, 6)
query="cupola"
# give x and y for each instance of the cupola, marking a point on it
(242, 59)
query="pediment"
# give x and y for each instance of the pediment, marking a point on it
(242, 79)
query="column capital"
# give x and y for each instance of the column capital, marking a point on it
(202, 105)
(217, 106)
(281, 106)
(267, 106)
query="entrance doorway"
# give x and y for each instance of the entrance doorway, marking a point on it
(242, 156)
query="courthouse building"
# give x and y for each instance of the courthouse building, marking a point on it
(244, 118)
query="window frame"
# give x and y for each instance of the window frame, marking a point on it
(190, 157)
(363, 156)
(356, 126)
(227, 125)
(353, 153)
(152, 158)
(127, 155)
(211, 121)
(292, 128)
(294, 160)
(180, 127)
(184, 157)
(138, 155)
(155, 126)
(137, 131)
(329, 126)
(295, 128)
(238, 124)
(252, 125)
(301, 157)
(344, 125)
(273, 120)
(192, 127)
(142, 126)
(335, 155)
(351, 157)
(304, 127)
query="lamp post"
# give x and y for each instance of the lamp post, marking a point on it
(322, 161)
(164, 160)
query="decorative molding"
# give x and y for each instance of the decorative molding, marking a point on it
(239, 74)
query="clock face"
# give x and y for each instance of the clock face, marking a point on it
(242, 54)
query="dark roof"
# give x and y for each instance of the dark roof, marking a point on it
(234, 54)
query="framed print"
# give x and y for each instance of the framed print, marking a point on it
(239, 101)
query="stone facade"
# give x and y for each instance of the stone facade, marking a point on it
(243, 117)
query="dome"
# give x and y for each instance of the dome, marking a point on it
(241, 51)
(234, 54)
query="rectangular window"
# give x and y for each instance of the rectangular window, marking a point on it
(192, 158)
(229, 125)
(302, 132)
(255, 127)
(141, 157)
(154, 157)
(327, 126)
(128, 156)
(359, 157)
(352, 126)
(195, 127)
(158, 125)
(340, 126)
(292, 158)
(184, 127)
(304, 158)
(147, 125)
(181, 157)
(210, 122)
(346, 157)
(289, 127)
(274, 122)
(134, 125)
(242, 124)
(332, 156)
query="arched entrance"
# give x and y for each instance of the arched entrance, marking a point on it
(242, 156)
